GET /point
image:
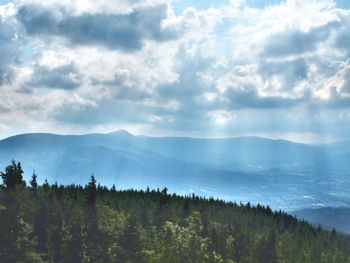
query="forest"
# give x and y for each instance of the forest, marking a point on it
(93, 223)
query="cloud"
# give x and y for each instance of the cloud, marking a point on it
(290, 71)
(62, 77)
(94, 7)
(342, 39)
(228, 68)
(297, 42)
(91, 114)
(125, 31)
(8, 44)
(249, 98)
(346, 84)
(287, 55)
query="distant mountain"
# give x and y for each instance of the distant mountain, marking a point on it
(121, 133)
(329, 217)
(280, 173)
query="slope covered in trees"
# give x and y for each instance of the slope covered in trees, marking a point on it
(55, 223)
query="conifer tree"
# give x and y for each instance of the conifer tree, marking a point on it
(129, 242)
(13, 175)
(33, 183)
(40, 226)
(266, 249)
(91, 191)
(74, 245)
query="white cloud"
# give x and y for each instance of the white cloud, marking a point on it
(222, 117)
(79, 7)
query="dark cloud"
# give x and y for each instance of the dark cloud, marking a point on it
(294, 42)
(342, 39)
(291, 72)
(38, 20)
(4, 108)
(189, 85)
(248, 97)
(121, 89)
(294, 69)
(62, 77)
(107, 111)
(114, 31)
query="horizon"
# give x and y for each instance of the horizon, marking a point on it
(181, 136)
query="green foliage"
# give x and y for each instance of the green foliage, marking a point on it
(71, 223)
(33, 183)
(13, 175)
(91, 191)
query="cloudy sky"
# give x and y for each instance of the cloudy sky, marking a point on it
(278, 69)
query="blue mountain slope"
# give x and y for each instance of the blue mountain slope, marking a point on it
(329, 217)
(280, 173)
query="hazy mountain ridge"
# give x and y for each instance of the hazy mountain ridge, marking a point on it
(280, 173)
(329, 217)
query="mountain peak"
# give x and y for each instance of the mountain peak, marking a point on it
(121, 133)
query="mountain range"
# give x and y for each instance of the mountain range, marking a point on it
(283, 174)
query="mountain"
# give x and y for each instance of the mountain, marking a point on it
(283, 174)
(329, 217)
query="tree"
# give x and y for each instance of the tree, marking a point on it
(13, 175)
(165, 191)
(94, 238)
(266, 248)
(129, 242)
(16, 243)
(74, 245)
(230, 247)
(41, 225)
(91, 191)
(33, 183)
(56, 243)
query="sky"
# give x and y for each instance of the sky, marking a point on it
(200, 68)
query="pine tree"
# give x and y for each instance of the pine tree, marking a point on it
(41, 226)
(13, 175)
(95, 240)
(74, 245)
(91, 191)
(266, 249)
(129, 242)
(46, 187)
(165, 191)
(33, 183)
(56, 243)
(9, 227)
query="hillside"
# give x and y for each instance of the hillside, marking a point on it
(56, 223)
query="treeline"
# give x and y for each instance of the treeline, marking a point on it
(56, 223)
